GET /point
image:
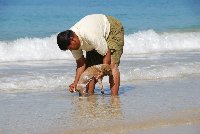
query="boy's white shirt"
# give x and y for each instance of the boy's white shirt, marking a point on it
(92, 31)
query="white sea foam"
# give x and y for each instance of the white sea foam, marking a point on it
(26, 49)
(162, 71)
(41, 77)
(27, 84)
(152, 42)
(148, 56)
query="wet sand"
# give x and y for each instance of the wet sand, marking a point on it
(143, 107)
(180, 129)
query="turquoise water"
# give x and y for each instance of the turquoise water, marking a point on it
(153, 28)
(36, 18)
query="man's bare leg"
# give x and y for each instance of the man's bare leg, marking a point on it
(114, 79)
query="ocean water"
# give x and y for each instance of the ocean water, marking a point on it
(160, 67)
(40, 19)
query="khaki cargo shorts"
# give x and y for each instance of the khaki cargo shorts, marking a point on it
(115, 39)
(115, 43)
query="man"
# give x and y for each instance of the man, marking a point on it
(102, 37)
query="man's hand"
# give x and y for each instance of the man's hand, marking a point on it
(72, 87)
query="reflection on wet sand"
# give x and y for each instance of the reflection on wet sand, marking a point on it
(180, 119)
(94, 109)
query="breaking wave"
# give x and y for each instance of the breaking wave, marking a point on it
(28, 49)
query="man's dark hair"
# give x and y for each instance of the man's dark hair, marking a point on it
(63, 39)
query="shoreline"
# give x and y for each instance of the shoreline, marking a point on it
(178, 129)
(173, 125)
(144, 107)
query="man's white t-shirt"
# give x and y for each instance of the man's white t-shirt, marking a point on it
(92, 31)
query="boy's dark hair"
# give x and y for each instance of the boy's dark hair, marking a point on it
(63, 39)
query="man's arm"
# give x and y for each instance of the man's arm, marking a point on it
(107, 57)
(79, 70)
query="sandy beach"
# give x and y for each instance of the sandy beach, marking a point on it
(143, 107)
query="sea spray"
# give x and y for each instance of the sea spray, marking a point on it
(27, 49)
(152, 42)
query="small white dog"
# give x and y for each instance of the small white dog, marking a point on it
(97, 72)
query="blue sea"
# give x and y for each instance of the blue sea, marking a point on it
(28, 28)
(160, 67)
